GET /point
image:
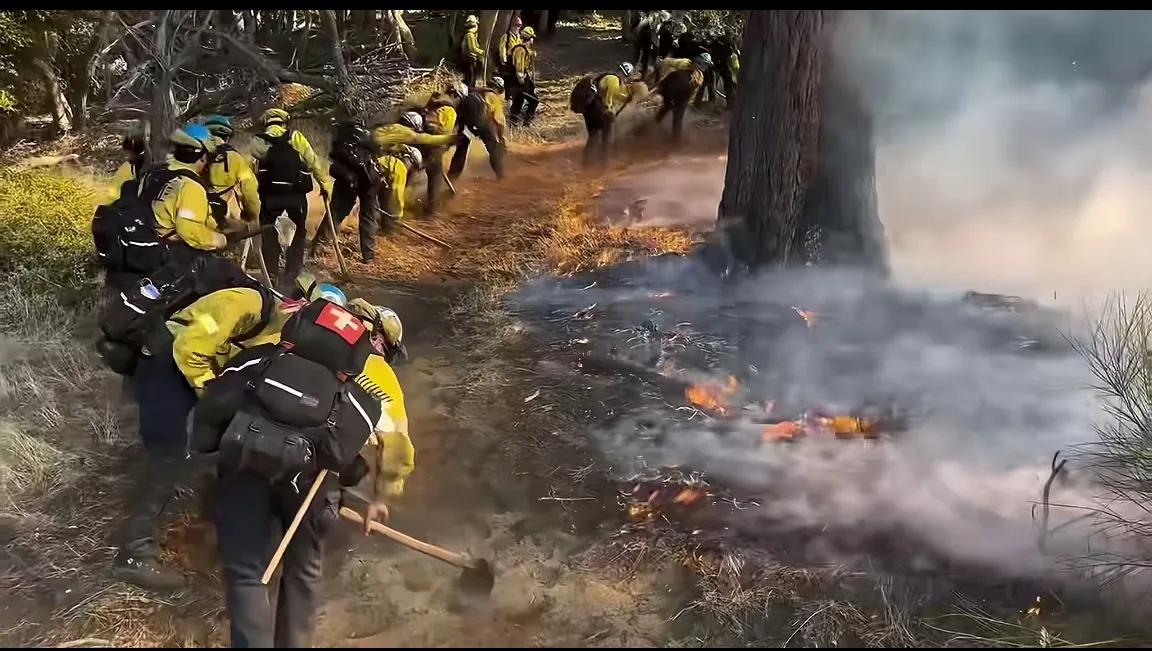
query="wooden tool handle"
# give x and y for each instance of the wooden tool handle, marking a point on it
(300, 512)
(440, 243)
(453, 558)
(335, 237)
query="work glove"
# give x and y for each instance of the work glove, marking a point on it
(326, 189)
(234, 231)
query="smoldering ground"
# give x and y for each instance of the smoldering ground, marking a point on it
(1011, 157)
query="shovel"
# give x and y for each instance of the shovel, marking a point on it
(477, 578)
(335, 238)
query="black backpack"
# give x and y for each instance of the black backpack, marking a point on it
(124, 232)
(133, 317)
(302, 409)
(282, 171)
(585, 92)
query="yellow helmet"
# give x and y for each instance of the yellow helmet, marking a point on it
(527, 33)
(381, 321)
(471, 21)
(274, 116)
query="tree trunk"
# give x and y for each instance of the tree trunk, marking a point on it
(61, 110)
(162, 115)
(626, 26)
(774, 135)
(453, 37)
(250, 25)
(487, 24)
(302, 41)
(83, 85)
(403, 33)
(841, 219)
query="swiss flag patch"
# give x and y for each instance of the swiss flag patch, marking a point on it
(342, 322)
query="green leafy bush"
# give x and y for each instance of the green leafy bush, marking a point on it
(45, 226)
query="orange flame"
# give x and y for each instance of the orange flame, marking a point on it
(809, 316)
(784, 431)
(850, 427)
(688, 496)
(713, 396)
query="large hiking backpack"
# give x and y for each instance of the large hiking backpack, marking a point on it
(133, 317)
(585, 93)
(303, 410)
(282, 171)
(124, 231)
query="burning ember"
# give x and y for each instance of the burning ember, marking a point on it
(841, 427)
(713, 397)
(648, 500)
(809, 316)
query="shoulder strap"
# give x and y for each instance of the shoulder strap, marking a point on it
(267, 302)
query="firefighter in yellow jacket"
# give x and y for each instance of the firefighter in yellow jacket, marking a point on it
(680, 81)
(230, 175)
(440, 119)
(395, 168)
(508, 40)
(286, 167)
(181, 208)
(251, 509)
(520, 79)
(614, 91)
(471, 55)
(133, 146)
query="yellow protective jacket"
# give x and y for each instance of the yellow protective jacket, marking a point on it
(203, 332)
(614, 93)
(233, 176)
(470, 45)
(524, 61)
(389, 136)
(183, 207)
(734, 67)
(508, 41)
(126, 172)
(441, 120)
(495, 103)
(393, 184)
(388, 452)
(300, 143)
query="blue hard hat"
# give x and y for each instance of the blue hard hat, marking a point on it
(330, 292)
(223, 120)
(193, 135)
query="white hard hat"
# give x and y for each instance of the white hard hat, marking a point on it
(471, 20)
(627, 69)
(413, 120)
(414, 155)
(461, 88)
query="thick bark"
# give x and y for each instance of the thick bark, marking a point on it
(250, 25)
(162, 115)
(334, 31)
(302, 41)
(61, 110)
(402, 32)
(841, 219)
(774, 134)
(626, 25)
(487, 24)
(453, 38)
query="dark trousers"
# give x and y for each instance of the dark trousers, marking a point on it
(345, 196)
(296, 206)
(469, 70)
(644, 52)
(164, 400)
(598, 121)
(434, 169)
(487, 135)
(676, 89)
(251, 515)
(524, 100)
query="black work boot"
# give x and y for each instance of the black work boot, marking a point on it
(146, 573)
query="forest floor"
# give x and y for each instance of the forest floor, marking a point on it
(505, 465)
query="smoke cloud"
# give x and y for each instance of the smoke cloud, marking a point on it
(1012, 156)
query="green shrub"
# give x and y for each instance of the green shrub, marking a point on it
(45, 226)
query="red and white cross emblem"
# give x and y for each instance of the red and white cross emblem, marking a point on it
(341, 321)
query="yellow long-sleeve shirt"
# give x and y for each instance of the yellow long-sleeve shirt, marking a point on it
(470, 45)
(495, 103)
(203, 332)
(394, 178)
(442, 120)
(126, 172)
(614, 93)
(524, 61)
(183, 207)
(508, 41)
(388, 136)
(389, 452)
(233, 176)
(300, 143)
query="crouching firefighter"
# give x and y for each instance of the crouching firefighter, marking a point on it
(282, 417)
(170, 338)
